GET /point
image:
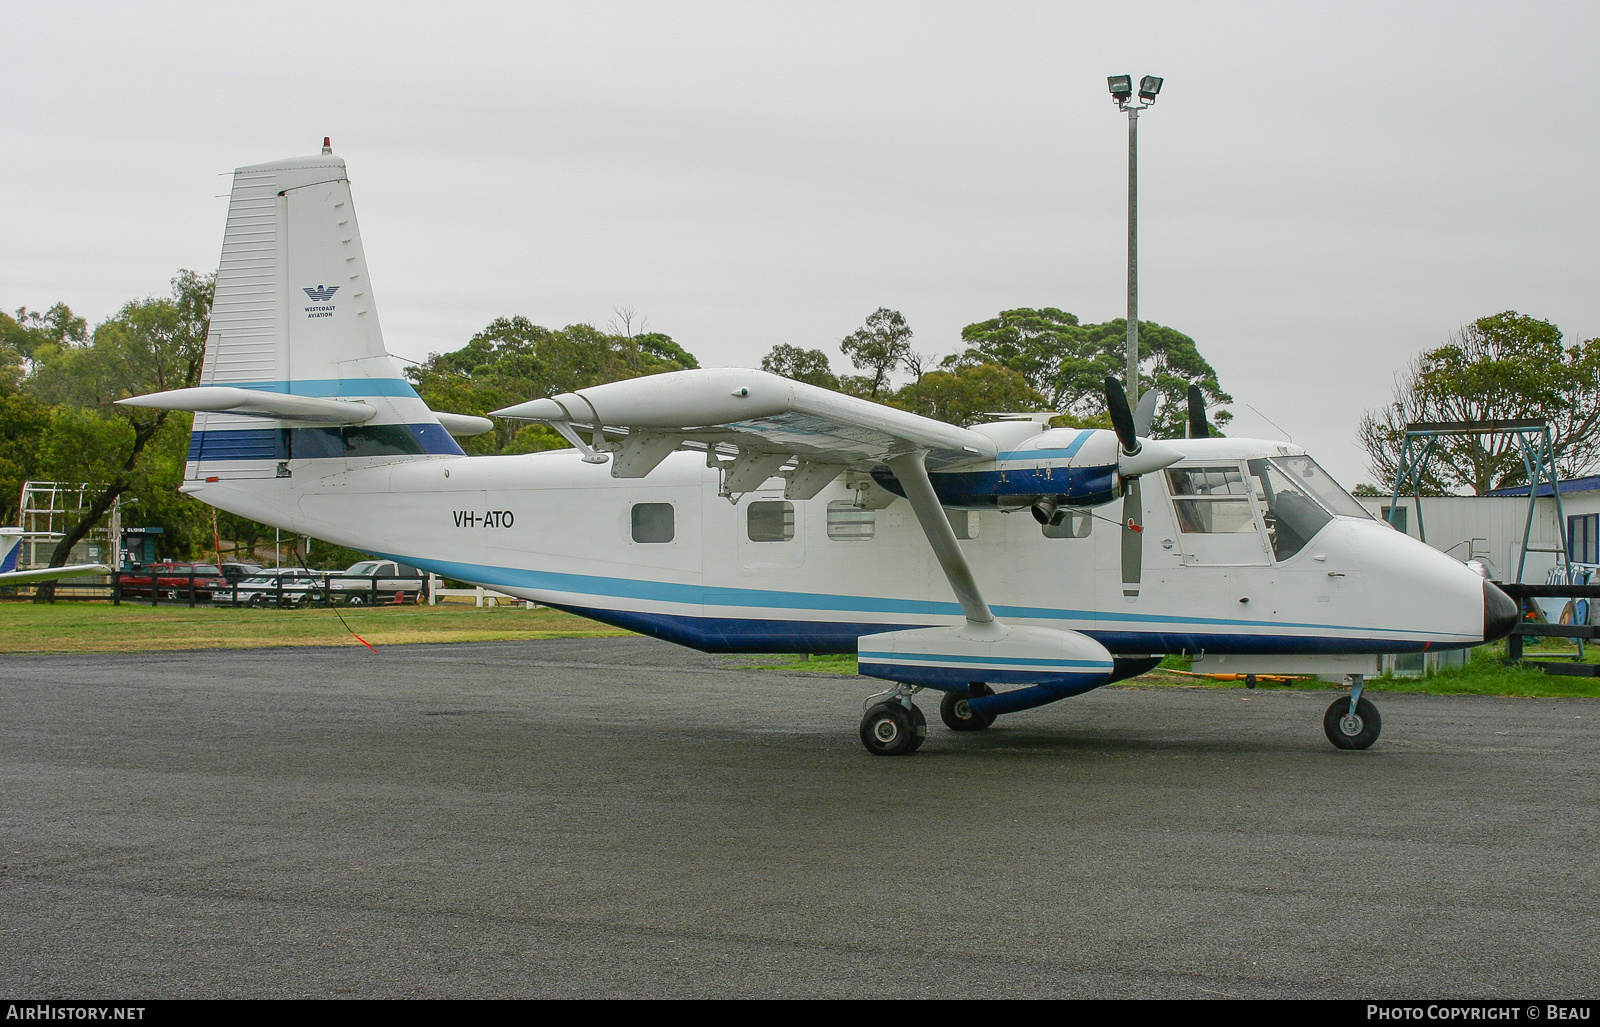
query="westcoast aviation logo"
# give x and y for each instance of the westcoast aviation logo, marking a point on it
(319, 296)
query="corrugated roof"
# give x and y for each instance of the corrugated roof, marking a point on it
(1589, 484)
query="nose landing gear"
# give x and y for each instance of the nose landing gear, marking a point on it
(1352, 723)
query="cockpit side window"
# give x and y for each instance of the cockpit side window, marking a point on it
(1211, 500)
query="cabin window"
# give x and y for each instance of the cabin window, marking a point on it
(963, 522)
(847, 523)
(770, 521)
(653, 522)
(1074, 524)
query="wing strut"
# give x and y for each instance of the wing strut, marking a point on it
(913, 475)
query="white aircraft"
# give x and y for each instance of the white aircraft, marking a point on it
(11, 549)
(731, 510)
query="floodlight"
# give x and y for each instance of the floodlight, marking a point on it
(1149, 86)
(1121, 86)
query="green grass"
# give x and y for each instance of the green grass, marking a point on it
(1485, 675)
(94, 627)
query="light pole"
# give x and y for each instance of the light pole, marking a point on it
(1121, 87)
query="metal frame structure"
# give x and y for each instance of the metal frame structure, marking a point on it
(42, 503)
(1536, 447)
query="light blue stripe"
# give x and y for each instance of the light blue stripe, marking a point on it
(1050, 454)
(332, 387)
(903, 657)
(713, 595)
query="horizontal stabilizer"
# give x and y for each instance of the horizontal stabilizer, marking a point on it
(222, 399)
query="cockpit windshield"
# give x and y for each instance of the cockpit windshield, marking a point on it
(1298, 499)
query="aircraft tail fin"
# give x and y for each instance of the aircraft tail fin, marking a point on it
(294, 316)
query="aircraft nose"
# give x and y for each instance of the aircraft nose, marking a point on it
(1499, 613)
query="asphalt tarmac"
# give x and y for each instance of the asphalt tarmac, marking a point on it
(620, 817)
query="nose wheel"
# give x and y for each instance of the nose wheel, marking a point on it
(893, 728)
(1352, 729)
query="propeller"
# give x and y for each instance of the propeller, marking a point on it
(1198, 427)
(1144, 415)
(1122, 419)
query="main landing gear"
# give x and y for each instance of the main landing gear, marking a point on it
(958, 715)
(1352, 723)
(894, 726)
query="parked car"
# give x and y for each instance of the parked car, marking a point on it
(382, 581)
(172, 580)
(239, 571)
(299, 587)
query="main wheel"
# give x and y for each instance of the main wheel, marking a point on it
(356, 601)
(890, 729)
(959, 716)
(1348, 730)
(256, 602)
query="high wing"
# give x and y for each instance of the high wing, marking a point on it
(768, 419)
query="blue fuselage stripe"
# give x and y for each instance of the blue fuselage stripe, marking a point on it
(234, 445)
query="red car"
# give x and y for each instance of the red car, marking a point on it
(173, 581)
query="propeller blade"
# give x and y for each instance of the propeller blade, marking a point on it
(1198, 428)
(1132, 538)
(1121, 416)
(1144, 415)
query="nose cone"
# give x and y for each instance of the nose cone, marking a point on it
(1499, 613)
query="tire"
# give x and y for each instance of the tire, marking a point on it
(956, 714)
(889, 729)
(1358, 733)
(356, 601)
(256, 602)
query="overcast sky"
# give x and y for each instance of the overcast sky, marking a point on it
(1325, 189)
